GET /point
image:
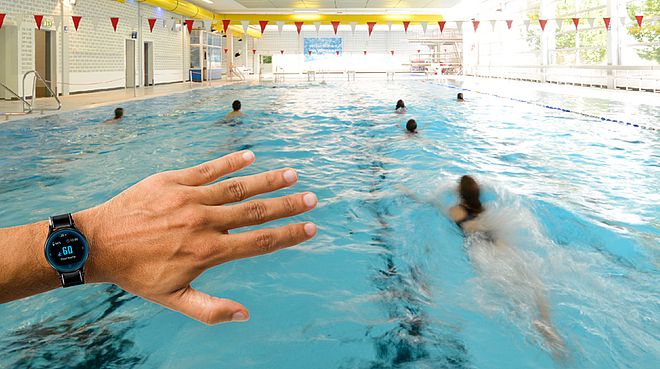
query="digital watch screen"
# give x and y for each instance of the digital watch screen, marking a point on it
(66, 250)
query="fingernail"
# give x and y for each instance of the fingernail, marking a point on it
(239, 316)
(310, 229)
(289, 176)
(248, 155)
(310, 199)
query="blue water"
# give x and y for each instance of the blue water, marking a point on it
(388, 282)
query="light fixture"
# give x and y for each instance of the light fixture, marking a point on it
(208, 1)
(396, 11)
(305, 11)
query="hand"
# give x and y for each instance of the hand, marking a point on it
(159, 235)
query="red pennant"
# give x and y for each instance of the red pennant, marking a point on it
(76, 21)
(225, 24)
(365, 52)
(282, 52)
(371, 27)
(576, 22)
(263, 25)
(189, 24)
(405, 25)
(254, 51)
(419, 51)
(509, 23)
(152, 23)
(299, 26)
(38, 19)
(543, 22)
(226, 50)
(638, 17)
(392, 52)
(115, 22)
(2, 19)
(337, 52)
(475, 24)
(442, 25)
(607, 23)
(309, 52)
(335, 25)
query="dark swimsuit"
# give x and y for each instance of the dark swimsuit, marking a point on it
(471, 215)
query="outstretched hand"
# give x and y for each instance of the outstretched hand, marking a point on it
(156, 237)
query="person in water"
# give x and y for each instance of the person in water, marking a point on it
(466, 214)
(411, 126)
(400, 107)
(236, 111)
(119, 115)
(459, 97)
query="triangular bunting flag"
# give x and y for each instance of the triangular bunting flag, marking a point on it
(115, 22)
(542, 23)
(639, 20)
(492, 24)
(337, 52)
(576, 22)
(263, 25)
(38, 19)
(370, 26)
(459, 25)
(309, 52)
(317, 25)
(225, 24)
(526, 22)
(226, 50)
(475, 24)
(76, 21)
(559, 23)
(353, 24)
(424, 25)
(441, 24)
(299, 26)
(254, 51)
(189, 24)
(282, 52)
(591, 22)
(405, 26)
(392, 52)
(509, 22)
(389, 26)
(280, 26)
(246, 25)
(365, 52)
(2, 19)
(335, 26)
(607, 23)
(152, 23)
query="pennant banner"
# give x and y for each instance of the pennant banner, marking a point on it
(254, 51)
(246, 25)
(576, 22)
(189, 24)
(607, 23)
(309, 52)
(638, 17)
(591, 22)
(337, 52)
(560, 23)
(475, 24)
(317, 25)
(371, 25)
(365, 52)
(76, 21)
(389, 26)
(459, 25)
(115, 22)
(299, 26)
(622, 20)
(282, 52)
(492, 25)
(226, 50)
(392, 52)
(542, 23)
(335, 26)
(225, 24)
(405, 26)
(509, 23)
(441, 24)
(280, 26)
(353, 24)
(38, 19)
(424, 25)
(2, 19)
(526, 22)
(263, 25)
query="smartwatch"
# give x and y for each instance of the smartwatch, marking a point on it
(66, 250)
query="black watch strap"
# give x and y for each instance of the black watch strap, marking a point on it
(61, 221)
(72, 278)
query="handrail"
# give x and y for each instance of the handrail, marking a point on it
(24, 112)
(34, 90)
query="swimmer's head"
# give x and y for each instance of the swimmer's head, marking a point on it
(411, 126)
(236, 105)
(459, 97)
(400, 104)
(119, 113)
(468, 189)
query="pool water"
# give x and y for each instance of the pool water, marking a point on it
(388, 282)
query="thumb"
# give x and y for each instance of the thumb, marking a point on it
(205, 308)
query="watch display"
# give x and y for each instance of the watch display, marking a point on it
(66, 250)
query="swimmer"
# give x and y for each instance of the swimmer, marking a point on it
(119, 115)
(400, 107)
(459, 97)
(236, 106)
(466, 215)
(411, 126)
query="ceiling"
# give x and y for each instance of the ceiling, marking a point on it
(379, 6)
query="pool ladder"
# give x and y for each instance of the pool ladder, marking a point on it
(28, 106)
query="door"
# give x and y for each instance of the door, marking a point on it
(45, 61)
(148, 63)
(9, 60)
(130, 63)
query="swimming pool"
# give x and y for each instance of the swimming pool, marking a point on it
(388, 282)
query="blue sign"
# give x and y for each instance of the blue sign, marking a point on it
(321, 46)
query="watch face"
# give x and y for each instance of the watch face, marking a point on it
(66, 250)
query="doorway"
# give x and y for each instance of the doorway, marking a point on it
(148, 63)
(45, 61)
(130, 63)
(9, 60)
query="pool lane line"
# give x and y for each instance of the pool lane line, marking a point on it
(557, 108)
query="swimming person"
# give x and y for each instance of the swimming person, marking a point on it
(411, 126)
(459, 97)
(236, 111)
(400, 107)
(499, 261)
(156, 237)
(119, 115)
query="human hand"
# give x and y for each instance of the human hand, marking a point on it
(157, 236)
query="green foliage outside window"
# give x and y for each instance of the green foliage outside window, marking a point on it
(649, 33)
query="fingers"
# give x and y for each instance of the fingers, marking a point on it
(262, 211)
(211, 170)
(239, 189)
(245, 245)
(205, 308)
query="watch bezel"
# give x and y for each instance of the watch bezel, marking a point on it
(80, 264)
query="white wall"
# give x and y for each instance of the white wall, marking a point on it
(94, 55)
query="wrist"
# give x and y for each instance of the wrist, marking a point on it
(89, 224)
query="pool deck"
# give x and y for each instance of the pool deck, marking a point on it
(495, 86)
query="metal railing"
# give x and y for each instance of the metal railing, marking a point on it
(37, 77)
(24, 112)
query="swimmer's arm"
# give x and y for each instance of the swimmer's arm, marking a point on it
(157, 236)
(422, 199)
